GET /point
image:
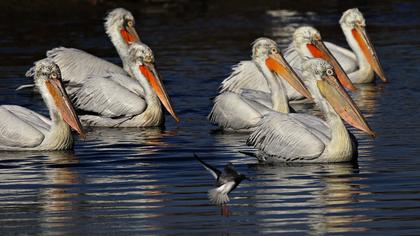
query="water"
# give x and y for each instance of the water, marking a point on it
(145, 181)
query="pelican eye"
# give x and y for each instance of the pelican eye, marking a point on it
(148, 58)
(130, 23)
(273, 50)
(53, 76)
(329, 72)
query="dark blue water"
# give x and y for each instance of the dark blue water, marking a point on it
(145, 181)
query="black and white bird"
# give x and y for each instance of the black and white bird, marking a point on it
(226, 182)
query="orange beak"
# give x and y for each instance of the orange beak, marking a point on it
(342, 103)
(148, 70)
(63, 104)
(362, 39)
(276, 63)
(129, 34)
(319, 50)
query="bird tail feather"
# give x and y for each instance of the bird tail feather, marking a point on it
(218, 197)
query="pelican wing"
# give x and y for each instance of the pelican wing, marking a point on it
(260, 97)
(285, 136)
(293, 58)
(233, 111)
(76, 65)
(245, 75)
(21, 127)
(107, 96)
(345, 57)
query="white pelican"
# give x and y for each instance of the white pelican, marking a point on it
(77, 65)
(22, 129)
(359, 63)
(307, 43)
(117, 100)
(255, 87)
(282, 137)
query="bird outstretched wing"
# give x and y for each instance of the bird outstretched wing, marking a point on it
(215, 172)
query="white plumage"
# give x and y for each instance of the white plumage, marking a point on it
(283, 137)
(358, 65)
(253, 89)
(22, 129)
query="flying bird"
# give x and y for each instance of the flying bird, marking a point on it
(226, 182)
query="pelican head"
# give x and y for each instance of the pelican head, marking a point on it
(354, 27)
(265, 51)
(303, 36)
(47, 77)
(308, 43)
(352, 17)
(120, 23)
(323, 83)
(120, 27)
(142, 60)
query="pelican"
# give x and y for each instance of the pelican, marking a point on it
(77, 65)
(255, 87)
(282, 137)
(360, 64)
(117, 100)
(357, 64)
(22, 129)
(307, 43)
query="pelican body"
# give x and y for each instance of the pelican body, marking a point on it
(76, 65)
(117, 100)
(22, 129)
(359, 64)
(254, 88)
(307, 43)
(363, 62)
(111, 96)
(282, 137)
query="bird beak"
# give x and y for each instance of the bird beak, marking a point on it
(64, 106)
(149, 71)
(319, 50)
(276, 63)
(361, 37)
(129, 34)
(342, 103)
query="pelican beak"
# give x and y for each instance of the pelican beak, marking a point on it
(277, 64)
(319, 50)
(129, 34)
(342, 103)
(149, 71)
(359, 33)
(63, 104)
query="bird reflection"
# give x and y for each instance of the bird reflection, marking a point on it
(366, 95)
(140, 140)
(319, 195)
(59, 195)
